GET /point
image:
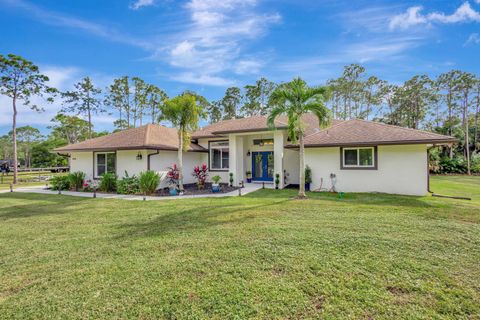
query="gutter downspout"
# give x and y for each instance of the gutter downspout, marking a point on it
(148, 158)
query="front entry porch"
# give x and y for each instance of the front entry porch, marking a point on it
(262, 166)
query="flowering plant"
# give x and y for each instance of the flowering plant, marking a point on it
(89, 185)
(173, 176)
(201, 174)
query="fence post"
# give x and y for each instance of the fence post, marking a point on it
(11, 187)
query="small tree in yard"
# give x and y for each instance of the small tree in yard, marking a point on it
(294, 99)
(20, 79)
(184, 113)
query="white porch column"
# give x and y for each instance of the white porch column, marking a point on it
(278, 141)
(235, 162)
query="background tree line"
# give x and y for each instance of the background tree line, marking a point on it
(448, 104)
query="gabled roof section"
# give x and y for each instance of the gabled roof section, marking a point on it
(360, 132)
(150, 136)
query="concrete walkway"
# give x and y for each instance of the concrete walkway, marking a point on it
(249, 187)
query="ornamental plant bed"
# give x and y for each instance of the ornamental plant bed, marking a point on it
(192, 189)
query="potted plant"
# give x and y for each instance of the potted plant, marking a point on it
(277, 180)
(231, 179)
(216, 183)
(308, 178)
(249, 176)
(201, 174)
(173, 177)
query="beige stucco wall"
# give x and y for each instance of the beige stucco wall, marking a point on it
(165, 159)
(127, 161)
(82, 161)
(401, 170)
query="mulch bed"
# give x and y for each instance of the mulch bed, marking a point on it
(192, 189)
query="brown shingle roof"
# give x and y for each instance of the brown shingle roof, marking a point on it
(361, 132)
(252, 124)
(150, 136)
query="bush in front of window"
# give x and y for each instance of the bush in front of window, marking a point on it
(108, 182)
(128, 184)
(76, 180)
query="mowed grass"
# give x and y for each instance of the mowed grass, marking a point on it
(259, 256)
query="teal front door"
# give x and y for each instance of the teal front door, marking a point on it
(262, 166)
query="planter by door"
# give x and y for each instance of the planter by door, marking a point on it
(262, 166)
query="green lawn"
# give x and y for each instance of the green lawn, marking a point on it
(259, 256)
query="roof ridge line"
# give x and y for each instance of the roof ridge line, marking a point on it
(321, 130)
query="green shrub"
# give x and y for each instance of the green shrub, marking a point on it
(455, 165)
(148, 181)
(216, 179)
(475, 162)
(108, 182)
(128, 185)
(76, 180)
(60, 183)
(308, 174)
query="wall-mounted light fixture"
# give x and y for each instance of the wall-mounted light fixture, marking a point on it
(139, 156)
(248, 153)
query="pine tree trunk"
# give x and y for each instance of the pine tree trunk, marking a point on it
(14, 137)
(89, 124)
(465, 119)
(180, 159)
(301, 188)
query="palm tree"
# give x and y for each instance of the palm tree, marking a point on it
(184, 113)
(295, 99)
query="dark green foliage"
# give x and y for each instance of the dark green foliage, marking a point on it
(308, 174)
(148, 181)
(455, 165)
(76, 180)
(60, 183)
(128, 184)
(108, 182)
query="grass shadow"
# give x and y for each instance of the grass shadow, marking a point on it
(380, 199)
(34, 204)
(195, 217)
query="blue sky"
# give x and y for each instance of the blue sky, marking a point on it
(208, 45)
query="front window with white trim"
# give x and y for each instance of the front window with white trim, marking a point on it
(219, 155)
(358, 157)
(106, 162)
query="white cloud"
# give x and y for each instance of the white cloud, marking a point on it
(414, 17)
(141, 3)
(213, 41)
(194, 78)
(378, 50)
(410, 18)
(474, 38)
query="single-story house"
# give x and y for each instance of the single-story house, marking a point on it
(351, 155)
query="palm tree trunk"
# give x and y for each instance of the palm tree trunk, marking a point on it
(301, 188)
(180, 159)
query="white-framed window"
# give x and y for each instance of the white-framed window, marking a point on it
(362, 157)
(219, 155)
(105, 162)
